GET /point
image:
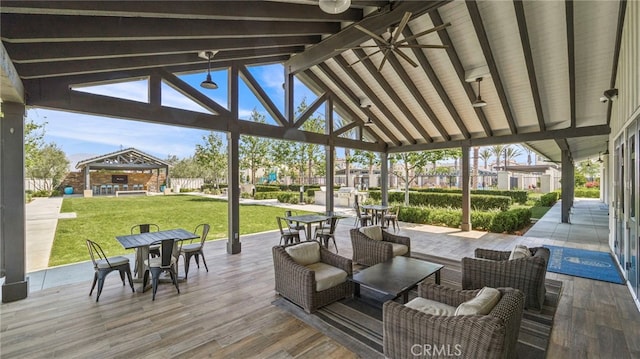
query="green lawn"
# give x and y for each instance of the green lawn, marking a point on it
(539, 211)
(102, 219)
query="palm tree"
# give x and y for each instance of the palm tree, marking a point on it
(497, 151)
(509, 154)
(485, 154)
(529, 152)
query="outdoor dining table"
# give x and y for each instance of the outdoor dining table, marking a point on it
(308, 219)
(376, 208)
(141, 241)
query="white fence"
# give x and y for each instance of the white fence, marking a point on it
(192, 183)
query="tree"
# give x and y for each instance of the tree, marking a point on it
(187, 168)
(33, 142)
(497, 151)
(309, 157)
(413, 164)
(253, 150)
(485, 154)
(282, 155)
(528, 151)
(50, 165)
(509, 154)
(212, 158)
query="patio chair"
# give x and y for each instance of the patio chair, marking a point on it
(294, 225)
(392, 218)
(373, 245)
(146, 228)
(362, 218)
(195, 249)
(104, 265)
(438, 318)
(494, 269)
(167, 262)
(311, 276)
(326, 231)
(287, 234)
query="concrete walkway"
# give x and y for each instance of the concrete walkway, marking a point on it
(41, 221)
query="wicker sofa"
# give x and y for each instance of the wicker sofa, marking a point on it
(367, 251)
(297, 282)
(410, 333)
(526, 274)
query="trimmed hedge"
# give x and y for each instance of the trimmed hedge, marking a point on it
(494, 221)
(447, 200)
(268, 195)
(262, 188)
(516, 196)
(548, 199)
(587, 192)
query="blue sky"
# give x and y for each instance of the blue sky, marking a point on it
(81, 136)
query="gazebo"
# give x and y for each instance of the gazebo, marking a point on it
(126, 170)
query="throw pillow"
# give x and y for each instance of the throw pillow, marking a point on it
(429, 306)
(520, 251)
(482, 304)
(305, 253)
(373, 232)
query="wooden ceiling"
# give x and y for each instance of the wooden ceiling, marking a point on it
(544, 65)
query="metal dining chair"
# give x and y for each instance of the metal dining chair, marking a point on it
(326, 232)
(287, 234)
(195, 249)
(167, 262)
(154, 250)
(104, 265)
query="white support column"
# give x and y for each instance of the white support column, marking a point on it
(12, 210)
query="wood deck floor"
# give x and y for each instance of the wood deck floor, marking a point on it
(227, 313)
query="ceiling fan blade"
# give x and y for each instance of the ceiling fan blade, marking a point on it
(384, 59)
(364, 58)
(404, 56)
(413, 37)
(401, 26)
(423, 46)
(357, 47)
(372, 34)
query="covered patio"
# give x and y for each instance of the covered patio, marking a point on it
(228, 312)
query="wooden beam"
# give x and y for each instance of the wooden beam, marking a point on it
(457, 65)
(571, 65)
(46, 28)
(248, 10)
(476, 19)
(12, 86)
(262, 96)
(310, 110)
(528, 59)
(193, 94)
(519, 138)
(65, 68)
(67, 51)
(364, 87)
(368, 64)
(351, 36)
(616, 53)
(351, 96)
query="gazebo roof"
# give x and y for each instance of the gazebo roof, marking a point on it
(127, 159)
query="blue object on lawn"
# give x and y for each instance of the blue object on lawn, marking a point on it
(68, 190)
(584, 263)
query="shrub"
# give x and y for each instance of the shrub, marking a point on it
(288, 197)
(447, 200)
(516, 196)
(548, 199)
(494, 221)
(245, 195)
(268, 195)
(587, 192)
(261, 188)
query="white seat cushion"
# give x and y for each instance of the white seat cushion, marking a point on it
(399, 249)
(373, 232)
(305, 253)
(157, 261)
(191, 247)
(482, 304)
(520, 251)
(431, 306)
(115, 261)
(327, 276)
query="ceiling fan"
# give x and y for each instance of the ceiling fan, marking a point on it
(394, 43)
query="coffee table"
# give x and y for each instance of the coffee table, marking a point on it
(396, 276)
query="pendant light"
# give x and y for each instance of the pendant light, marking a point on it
(208, 83)
(599, 158)
(479, 102)
(334, 6)
(369, 123)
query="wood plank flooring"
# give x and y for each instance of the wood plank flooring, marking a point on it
(227, 312)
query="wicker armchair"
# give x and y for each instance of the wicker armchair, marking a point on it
(526, 274)
(297, 282)
(370, 252)
(407, 331)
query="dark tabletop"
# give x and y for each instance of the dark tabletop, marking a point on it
(145, 239)
(308, 218)
(396, 275)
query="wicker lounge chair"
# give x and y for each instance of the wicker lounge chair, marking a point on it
(367, 251)
(526, 274)
(407, 331)
(297, 282)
